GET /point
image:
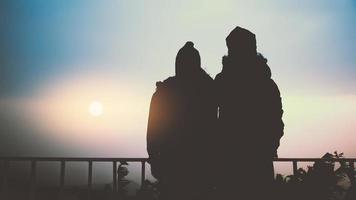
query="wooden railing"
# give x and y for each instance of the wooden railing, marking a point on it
(62, 161)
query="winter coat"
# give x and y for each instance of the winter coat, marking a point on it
(181, 124)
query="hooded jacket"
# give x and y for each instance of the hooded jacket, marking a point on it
(182, 114)
(250, 107)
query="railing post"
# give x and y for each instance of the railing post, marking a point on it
(114, 176)
(295, 167)
(4, 180)
(353, 173)
(143, 172)
(33, 180)
(62, 175)
(90, 176)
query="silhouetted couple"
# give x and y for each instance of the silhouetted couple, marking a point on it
(215, 139)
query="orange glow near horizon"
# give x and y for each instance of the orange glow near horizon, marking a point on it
(314, 125)
(61, 112)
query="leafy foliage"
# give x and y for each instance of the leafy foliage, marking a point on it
(320, 181)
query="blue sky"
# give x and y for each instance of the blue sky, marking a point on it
(304, 41)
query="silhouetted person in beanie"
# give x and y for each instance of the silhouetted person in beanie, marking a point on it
(250, 120)
(180, 126)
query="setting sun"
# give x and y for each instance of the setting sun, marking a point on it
(96, 108)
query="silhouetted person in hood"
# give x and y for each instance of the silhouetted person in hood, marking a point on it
(180, 125)
(250, 119)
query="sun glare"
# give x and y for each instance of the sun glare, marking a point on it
(96, 108)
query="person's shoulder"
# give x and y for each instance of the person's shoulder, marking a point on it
(163, 89)
(206, 76)
(264, 69)
(167, 83)
(273, 86)
(219, 76)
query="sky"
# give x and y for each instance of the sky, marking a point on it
(57, 57)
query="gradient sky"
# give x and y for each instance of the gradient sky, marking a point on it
(58, 56)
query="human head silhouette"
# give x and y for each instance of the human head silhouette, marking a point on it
(241, 43)
(187, 60)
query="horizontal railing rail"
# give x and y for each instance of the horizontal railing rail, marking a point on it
(90, 160)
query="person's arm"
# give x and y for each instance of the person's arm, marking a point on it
(157, 123)
(277, 124)
(153, 128)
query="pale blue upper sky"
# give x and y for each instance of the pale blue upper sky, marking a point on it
(310, 44)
